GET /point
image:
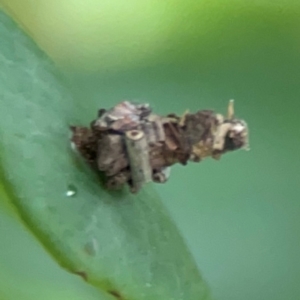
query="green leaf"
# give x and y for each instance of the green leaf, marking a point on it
(125, 245)
(27, 271)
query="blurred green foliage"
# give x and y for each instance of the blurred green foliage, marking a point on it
(119, 35)
(240, 216)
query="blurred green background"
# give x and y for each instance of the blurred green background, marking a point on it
(240, 215)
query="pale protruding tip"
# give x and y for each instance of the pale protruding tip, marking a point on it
(230, 110)
(183, 117)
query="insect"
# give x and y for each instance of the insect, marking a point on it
(131, 145)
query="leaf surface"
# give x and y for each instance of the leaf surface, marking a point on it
(125, 244)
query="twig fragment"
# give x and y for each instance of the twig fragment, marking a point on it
(139, 160)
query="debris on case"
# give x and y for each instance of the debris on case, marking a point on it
(132, 145)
